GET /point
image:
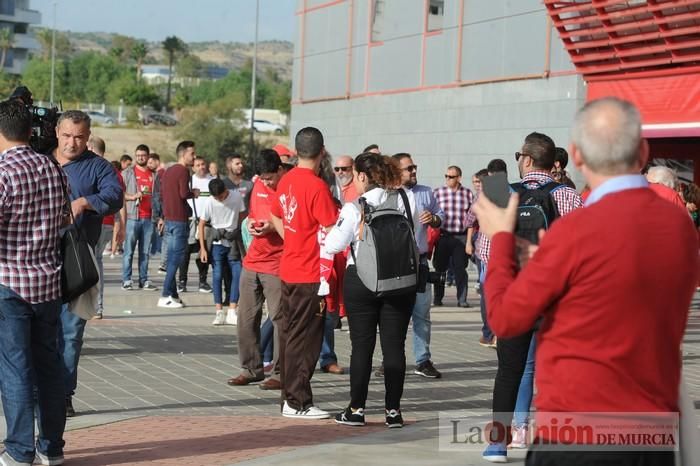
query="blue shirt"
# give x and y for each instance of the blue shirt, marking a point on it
(613, 185)
(425, 200)
(92, 177)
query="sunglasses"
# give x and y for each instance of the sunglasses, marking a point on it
(411, 168)
(342, 169)
(521, 154)
(451, 177)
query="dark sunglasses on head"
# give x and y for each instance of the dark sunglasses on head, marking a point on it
(342, 169)
(451, 177)
(520, 154)
(411, 168)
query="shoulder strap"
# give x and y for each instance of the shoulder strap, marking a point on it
(66, 197)
(406, 206)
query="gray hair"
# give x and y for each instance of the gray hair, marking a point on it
(75, 116)
(608, 132)
(662, 175)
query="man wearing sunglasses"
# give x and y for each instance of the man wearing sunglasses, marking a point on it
(344, 189)
(455, 200)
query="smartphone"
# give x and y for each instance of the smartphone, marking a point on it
(496, 188)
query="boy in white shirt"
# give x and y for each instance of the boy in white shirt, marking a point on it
(222, 213)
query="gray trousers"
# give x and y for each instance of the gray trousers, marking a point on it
(255, 288)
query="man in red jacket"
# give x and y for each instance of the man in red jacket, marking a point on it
(613, 315)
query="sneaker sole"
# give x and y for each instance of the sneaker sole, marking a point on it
(393, 426)
(496, 458)
(426, 375)
(204, 291)
(306, 416)
(350, 423)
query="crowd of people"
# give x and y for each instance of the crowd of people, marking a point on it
(287, 242)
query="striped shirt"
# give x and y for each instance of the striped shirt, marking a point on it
(31, 214)
(455, 205)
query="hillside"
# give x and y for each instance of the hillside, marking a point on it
(276, 55)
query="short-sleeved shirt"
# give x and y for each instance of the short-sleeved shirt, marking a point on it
(244, 188)
(264, 252)
(223, 214)
(304, 204)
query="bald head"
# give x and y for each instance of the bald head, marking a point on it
(608, 134)
(97, 145)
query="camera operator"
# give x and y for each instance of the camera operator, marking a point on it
(94, 192)
(31, 213)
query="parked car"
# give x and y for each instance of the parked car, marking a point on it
(265, 126)
(159, 119)
(100, 118)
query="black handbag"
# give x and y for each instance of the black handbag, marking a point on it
(79, 270)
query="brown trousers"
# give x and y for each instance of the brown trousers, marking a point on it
(254, 288)
(303, 317)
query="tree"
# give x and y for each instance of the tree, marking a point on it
(173, 46)
(121, 46)
(63, 45)
(7, 40)
(190, 66)
(138, 53)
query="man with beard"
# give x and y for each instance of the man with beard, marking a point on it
(430, 215)
(94, 192)
(139, 181)
(344, 189)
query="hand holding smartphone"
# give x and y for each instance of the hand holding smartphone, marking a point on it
(497, 189)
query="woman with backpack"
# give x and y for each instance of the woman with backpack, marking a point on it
(376, 178)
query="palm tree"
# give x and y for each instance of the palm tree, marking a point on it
(7, 40)
(172, 46)
(138, 53)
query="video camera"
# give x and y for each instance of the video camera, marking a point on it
(44, 121)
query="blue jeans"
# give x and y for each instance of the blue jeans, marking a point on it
(70, 343)
(267, 340)
(137, 231)
(156, 242)
(221, 259)
(485, 329)
(176, 234)
(105, 239)
(521, 415)
(421, 325)
(328, 346)
(30, 376)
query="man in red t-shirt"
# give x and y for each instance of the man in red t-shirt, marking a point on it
(139, 180)
(260, 276)
(305, 204)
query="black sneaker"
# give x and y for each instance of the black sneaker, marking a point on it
(182, 288)
(426, 369)
(70, 412)
(205, 288)
(380, 371)
(351, 417)
(393, 419)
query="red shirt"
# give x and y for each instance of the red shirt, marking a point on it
(265, 252)
(305, 203)
(144, 185)
(669, 194)
(613, 282)
(175, 191)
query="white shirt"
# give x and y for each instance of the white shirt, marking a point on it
(347, 228)
(197, 205)
(223, 215)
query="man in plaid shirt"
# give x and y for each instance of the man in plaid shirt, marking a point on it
(31, 213)
(455, 201)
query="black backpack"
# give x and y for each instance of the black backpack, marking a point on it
(387, 260)
(536, 209)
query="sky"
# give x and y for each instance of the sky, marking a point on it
(191, 21)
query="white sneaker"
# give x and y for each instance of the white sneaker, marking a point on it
(46, 460)
(231, 317)
(170, 302)
(220, 318)
(312, 412)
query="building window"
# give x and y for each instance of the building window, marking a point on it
(436, 13)
(377, 20)
(7, 7)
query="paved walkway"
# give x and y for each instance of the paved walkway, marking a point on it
(152, 390)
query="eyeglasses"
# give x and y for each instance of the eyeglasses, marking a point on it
(451, 177)
(342, 169)
(521, 154)
(411, 168)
